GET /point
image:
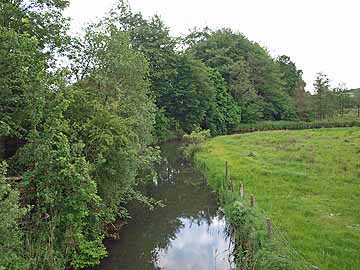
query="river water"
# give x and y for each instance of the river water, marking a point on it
(188, 233)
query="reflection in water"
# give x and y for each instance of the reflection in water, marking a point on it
(197, 246)
(188, 233)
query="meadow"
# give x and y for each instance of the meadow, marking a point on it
(307, 181)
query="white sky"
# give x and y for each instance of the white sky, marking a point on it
(318, 35)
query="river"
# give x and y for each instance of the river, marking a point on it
(188, 233)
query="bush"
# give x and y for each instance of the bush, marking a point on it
(11, 250)
(193, 141)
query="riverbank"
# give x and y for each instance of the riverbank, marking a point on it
(305, 181)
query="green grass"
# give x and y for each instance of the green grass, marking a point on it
(307, 181)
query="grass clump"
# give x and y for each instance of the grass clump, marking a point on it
(307, 181)
(254, 249)
(192, 142)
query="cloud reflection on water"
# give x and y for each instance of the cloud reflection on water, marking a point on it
(197, 247)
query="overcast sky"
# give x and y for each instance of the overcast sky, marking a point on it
(318, 35)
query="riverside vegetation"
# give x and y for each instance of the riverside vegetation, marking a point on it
(81, 117)
(306, 181)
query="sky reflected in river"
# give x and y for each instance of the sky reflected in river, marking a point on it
(197, 246)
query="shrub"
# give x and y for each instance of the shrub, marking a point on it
(193, 141)
(10, 234)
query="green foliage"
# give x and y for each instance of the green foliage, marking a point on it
(113, 113)
(324, 97)
(304, 102)
(356, 101)
(192, 142)
(40, 19)
(193, 96)
(253, 77)
(342, 99)
(87, 144)
(89, 139)
(22, 74)
(151, 37)
(197, 136)
(64, 203)
(224, 114)
(244, 92)
(166, 128)
(11, 246)
(290, 74)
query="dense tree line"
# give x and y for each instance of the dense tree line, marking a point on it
(88, 140)
(90, 129)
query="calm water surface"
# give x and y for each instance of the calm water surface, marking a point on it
(187, 234)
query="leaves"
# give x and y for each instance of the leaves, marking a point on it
(11, 248)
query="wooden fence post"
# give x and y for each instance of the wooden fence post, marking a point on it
(252, 200)
(226, 171)
(269, 227)
(241, 190)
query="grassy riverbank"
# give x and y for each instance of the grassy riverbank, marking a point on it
(307, 181)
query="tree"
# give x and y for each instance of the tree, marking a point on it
(357, 102)
(322, 89)
(290, 74)
(11, 237)
(304, 102)
(244, 93)
(193, 93)
(224, 113)
(113, 114)
(170, 73)
(152, 38)
(22, 71)
(31, 34)
(343, 100)
(229, 52)
(60, 228)
(39, 19)
(64, 223)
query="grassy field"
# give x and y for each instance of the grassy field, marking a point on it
(307, 181)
